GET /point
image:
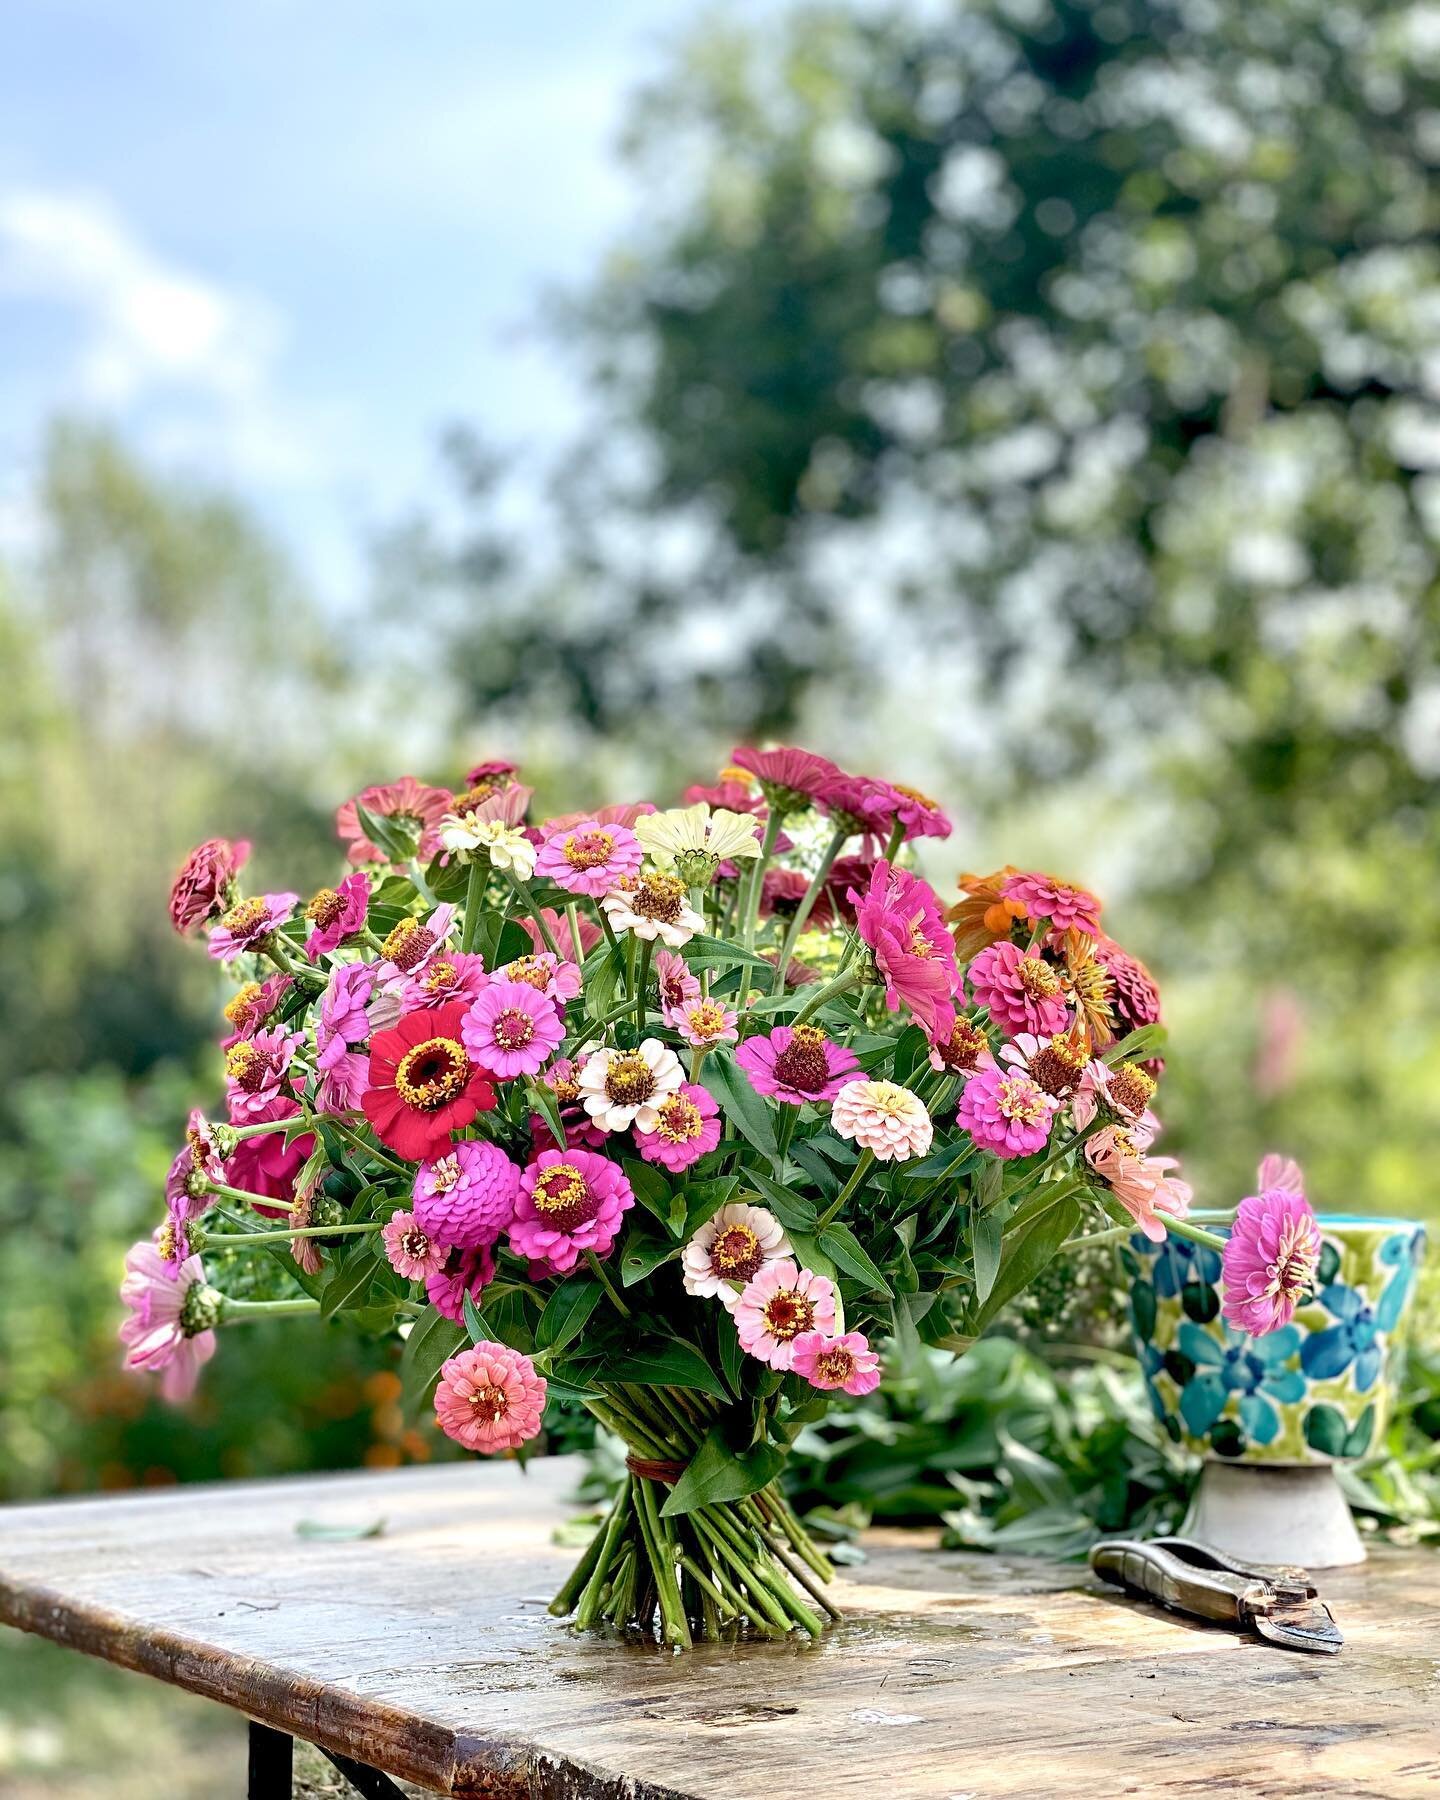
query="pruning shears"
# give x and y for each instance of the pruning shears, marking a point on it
(1279, 1604)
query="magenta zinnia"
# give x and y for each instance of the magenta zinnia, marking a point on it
(1006, 1112)
(1019, 988)
(512, 1029)
(899, 917)
(1272, 1253)
(796, 1064)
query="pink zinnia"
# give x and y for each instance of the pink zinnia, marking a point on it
(702, 1023)
(1021, 990)
(791, 779)
(727, 794)
(1125, 1092)
(489, 1398)
(1272, 1253)
(782, 890)
(410, 1249)
(877, 807)
(248, 923)
(257, 1069)
(900, 918)
(511, 1030)
(415, 809)
(463, 1272)
(337, 913)
(883, 1117)
(618, 813)
(796, 1063)
(847, 1363)
(687, 1127)
(1142, 1184)
(186, 1195)
(570, 1202)
(1006, 1112)
(589, 858)
(203, 885)
(253, 1005)
(267, 1164)
(558, 925)
(1043, 897)
(547, 974)
(467, 1197)
(452, 975)
(1134, 997)
(780, 1305)
(169, 1330)
(676, 984)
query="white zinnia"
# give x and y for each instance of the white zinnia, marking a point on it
(884, 1117)
(687, 829)
(506, 845)
(621, 1088)
(653, 907)
(730, 1249)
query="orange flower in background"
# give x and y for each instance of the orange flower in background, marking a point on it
(1087, 983)
(982, 915)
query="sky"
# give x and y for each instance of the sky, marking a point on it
(281, 244)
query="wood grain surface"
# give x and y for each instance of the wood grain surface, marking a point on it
(428, 1652)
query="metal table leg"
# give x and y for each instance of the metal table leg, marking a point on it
(271, 1763)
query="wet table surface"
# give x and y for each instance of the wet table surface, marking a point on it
(427, 1651)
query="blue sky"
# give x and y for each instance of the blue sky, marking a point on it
(281, 243)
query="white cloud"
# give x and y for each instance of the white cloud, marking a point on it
(197, 357)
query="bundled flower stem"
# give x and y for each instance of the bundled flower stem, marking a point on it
(652, 1110)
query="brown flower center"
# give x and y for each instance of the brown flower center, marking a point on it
(659, 896)
(415, 1243)
(241, 920)
(801, 1064)
(249, 1067)
(835, 1366)
(1131, 1088)
(961, 1050)
(407, 944)
(513, 1029)
(1037, 978)
(325, 908)
(563, 1198)
(589, 849)
(629, 1079)
(490, 1403)
(736, 1253)
(1056, 1067)
(432, 1074)
(787, 1314)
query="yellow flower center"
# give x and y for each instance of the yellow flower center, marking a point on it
(736, 1253)
(1020, 1098)
(562, 1197)
(963, 1047)
(513, 1029)
(788, 1313)
(629, 1079)
(438, 976)
(706, 1019)
(248, 1067)
(325, 908)
(679, 1120)
(1038, 979)
(915, 794)
(588, 849)
(530, 970)
(432, 1074)
(238, 1010)
(407, 944)
(659, 896)
(242, 919)
(836, 1365)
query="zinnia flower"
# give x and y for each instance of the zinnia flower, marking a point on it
(497, 805)
(336, 914)
(981, 915)
(492, 776)
(588, 858)
(1087, 985)
(506, 846)
(453, 975)
(467, 1197)
(736, 791)
(1142, 1184)
(1056, 1064)
(203, 886)
(730, 1249)
(1044, 897)
(1125, 1092)
(695, 840)
(256, 1069)
(412, 809)
(252, 1005)
(463, 1272)
(172, 1315)
(1021, 990)
(512, 1029)
(344, 1021)
(687, 1127)
(782, 890)
(963, 1050)
(796, 1064)
(619, 813)
(267, 1164)
(547, 974)
(899, 918)
(570, 1202)
(702, 1023)
(621, 1088)
(778, 1305)
(1134, 997)
(423, 1086)
(247, 924)
(1006, 1112)
(790, 779)
(489, 1398)
(877, 807)
(884, 1117)
(676, 983)
(847, 1363)
(413, 943)
(1272, 1253)
(653, 906)
(410, 1249)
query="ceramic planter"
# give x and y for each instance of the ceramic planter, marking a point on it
(1272, 1415)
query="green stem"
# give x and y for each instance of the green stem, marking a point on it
(356, 1142)
(225, 1192)
(837, 984)
(788, 1116)
(597, 1269)
(228, 1239)
(1195, 1234)
(806, 906)
(1115, 1235)
(647, 950)
(248, 1131)
(572, 919)
(897, 838)
(241, 1312)
(522, 891)
(474, 889)
(751, 912)
(857, 1175)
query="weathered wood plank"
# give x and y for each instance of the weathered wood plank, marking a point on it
(428, 1652)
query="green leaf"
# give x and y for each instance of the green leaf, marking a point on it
(847, 1252)
(665, 1362)
(651, 1189)
(704, 952)
(397, 843)
(1025, 1252)
(602, 982)
(350, 1282)
(809, 1254)
(739, 1102)
(503, 1319)
(642, 1255)
(432, 1341)
(1139, 1046)
(566, 1312)
(985, 1237)
(794, 1211)
(703, 1199)
(716, 1473)
(950, 1159)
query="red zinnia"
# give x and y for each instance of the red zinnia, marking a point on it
(422, 1084)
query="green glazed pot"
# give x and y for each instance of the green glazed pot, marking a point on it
(1314, 1392)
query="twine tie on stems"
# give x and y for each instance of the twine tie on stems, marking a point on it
(650, 1468)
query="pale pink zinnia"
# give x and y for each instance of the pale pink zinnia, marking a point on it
(1125, 1092)
(687, 1127)
(451, 975)
(414, 809)
(571, 1202)
(702, 1023)
(1043, 897)
(796, 1064)
(467, 1196)
(558, 980)
(588, 858)
(512, 1029)
(730, 1249)
(1272, 1253)
(1006, 1112)
(883, 1117)
(846, 1363)
(248, 923)
(410, 1249)
(1142, 1184)
(1020, 989)
(171, 1314)
(780, 1304)
(489, 1398)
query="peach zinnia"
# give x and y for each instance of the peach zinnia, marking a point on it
(489, 1398)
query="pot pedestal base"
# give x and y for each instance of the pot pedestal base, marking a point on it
(1267, 1513)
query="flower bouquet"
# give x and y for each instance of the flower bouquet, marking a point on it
(678, 1113)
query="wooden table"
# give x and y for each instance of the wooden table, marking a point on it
(427, 1651)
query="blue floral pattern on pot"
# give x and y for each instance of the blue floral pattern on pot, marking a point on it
(1312, 1392)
